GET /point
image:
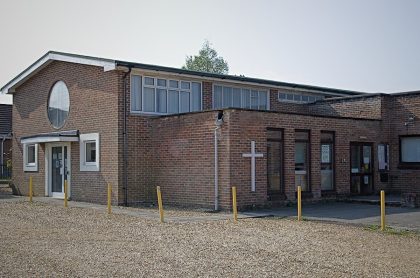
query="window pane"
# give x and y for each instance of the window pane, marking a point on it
(236, 97)
(289, 97)
(227, 97)
(217, 97)
(185, 85)
(327, 137)
(196, 97)
(297, 98)
(274, 134)
(282, 96)
(173, 84)
(149, 99)
(90, 148)
(185, 102)
(149, 81)
(311, 99)
(301, 165)
(173, 99)
(305, 98)
(246, 98)
(161, 82)
(254, 99)
(263, 100)
(161, 100)
(302, 135)
(30, 154)
(410, 149)
(135, 93)
(58, 104)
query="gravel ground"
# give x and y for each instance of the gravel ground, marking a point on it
(46, 240)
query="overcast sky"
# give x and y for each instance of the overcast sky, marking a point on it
(371, 46)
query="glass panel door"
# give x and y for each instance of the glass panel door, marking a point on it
(57, 170)
(302, 168)
(361, 168)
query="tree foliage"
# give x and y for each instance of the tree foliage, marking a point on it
(207, 60)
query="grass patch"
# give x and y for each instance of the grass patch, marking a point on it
(390, 230)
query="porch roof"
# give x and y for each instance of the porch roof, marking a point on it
(60, 136)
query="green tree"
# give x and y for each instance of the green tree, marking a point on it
(207, 60)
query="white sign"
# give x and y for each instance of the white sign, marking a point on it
(252, 155)
(325, 154)
(381, 157)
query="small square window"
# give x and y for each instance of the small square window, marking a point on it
(173, 84)
(282, 96)
(297, 98)
(161, 82)
(149, 81)
(185, 85)
(311, 99)
(289, 97)
(305, 98)
(90, 147)
(89, 152)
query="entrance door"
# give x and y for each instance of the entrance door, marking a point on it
(361, 168)
(275, 187)
(59, 165)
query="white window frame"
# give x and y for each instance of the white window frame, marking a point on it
(267, 91)
(30, 167)
(317, 97)
(89, 166)
(167, 88)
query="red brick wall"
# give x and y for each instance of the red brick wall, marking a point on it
(93, 108)
(369, 107)
(276, 105)
(245, 126)
(403, 179)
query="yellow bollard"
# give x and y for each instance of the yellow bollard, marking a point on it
(234, 205)
(299, 196)
(159, 195)
(30, 190)
(109, 197)
(65, 193)
(382, 210)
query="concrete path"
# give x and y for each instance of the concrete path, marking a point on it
(350, 213)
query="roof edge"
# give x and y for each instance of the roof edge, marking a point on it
(238, 78)
(50, 56)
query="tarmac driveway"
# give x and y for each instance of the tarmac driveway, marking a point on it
(365, 214)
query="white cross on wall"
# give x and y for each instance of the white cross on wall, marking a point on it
(252, 155)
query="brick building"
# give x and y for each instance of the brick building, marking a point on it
(5, 140)
(94, 121)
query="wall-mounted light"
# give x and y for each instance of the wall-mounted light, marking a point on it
(219, 119)
(411, 118)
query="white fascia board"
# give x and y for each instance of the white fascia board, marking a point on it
(50, 139)
(107, 65)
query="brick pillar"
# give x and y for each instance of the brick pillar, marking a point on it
(207, 95)
(315, 163)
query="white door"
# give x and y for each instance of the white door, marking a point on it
(59, 169)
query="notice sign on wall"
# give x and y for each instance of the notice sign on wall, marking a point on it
(383, 156)
(325, 154)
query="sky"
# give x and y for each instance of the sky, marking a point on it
(362, 45)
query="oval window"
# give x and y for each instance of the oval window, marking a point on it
(58, 104)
